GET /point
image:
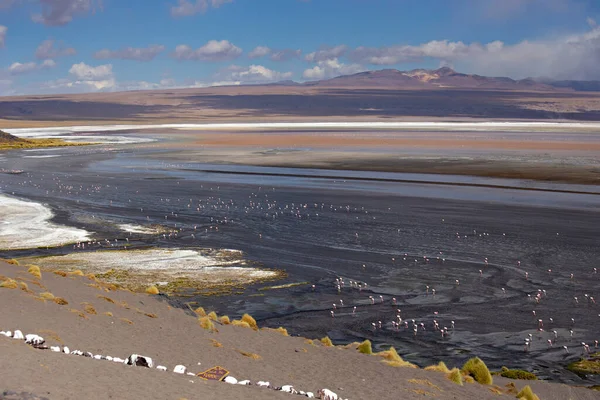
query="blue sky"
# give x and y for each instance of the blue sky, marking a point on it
(56, 46)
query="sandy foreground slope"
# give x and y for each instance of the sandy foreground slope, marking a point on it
(145, 325)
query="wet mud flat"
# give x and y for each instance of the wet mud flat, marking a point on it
(398, 238)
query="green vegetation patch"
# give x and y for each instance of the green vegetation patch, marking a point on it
(516, 374)
(590, 366)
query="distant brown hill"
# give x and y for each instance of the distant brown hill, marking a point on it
(431, 79)
(8, 138)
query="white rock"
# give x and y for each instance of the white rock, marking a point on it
(140, 361)
(230, 379)
(109, 358)
(3, 333)
(246, 382)
(118, 360)
(310, 395)
(98, 357)
(55, 349)
(190, 374)
(326, 394)
(34, 339)
(263, 384)
(18, 335)
(66, 350)
(179, 369)
(288, 389)
(161, 368)
(8, 334)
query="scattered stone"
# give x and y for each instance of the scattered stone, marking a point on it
(179, 369)
(139, 361)
(230, 379)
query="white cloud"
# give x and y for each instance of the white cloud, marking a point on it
(235, 74)
(259, 51)
(61, 12)
(185, 8)
(18, 68)
(3, 31)
(131, 53)
(214, 50)
(46, 50)
(331, 68)
(285, 54)
(326, 53)
(93, 78)
(574, 56)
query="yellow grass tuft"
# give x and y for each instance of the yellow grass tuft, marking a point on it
(106, 299)
(60, 273)
(225, 320)
(216, 343)
(127, 321)
(206, 323)
(152, 290)
(455, 376)
(89, 308)
(80, 313)
(281, 330)
(23, 286)
(476, 368)
(76, 273)
(108, 314)
(365, 347)
(309, 341)
(253, 356)
(91, 277)
(468, 378)
(200, 311)
(213, 316)
(243, 324)
(439, 367)
(327, 342)
(250, 321)
(11, 261)
(60, 301)
(527, 394)
(35, 271)
(391, 357)
(151, 315)
(47, 296)
(9, 284)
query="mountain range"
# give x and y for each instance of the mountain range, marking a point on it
(444, 78)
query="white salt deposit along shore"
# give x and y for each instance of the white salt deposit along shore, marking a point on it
(26, 224)
(162, 265)
(58, 132)
(131, 228)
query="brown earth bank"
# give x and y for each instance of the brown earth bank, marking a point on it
(102, 320)
(292, 103)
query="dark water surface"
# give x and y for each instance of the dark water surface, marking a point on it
(397, 237)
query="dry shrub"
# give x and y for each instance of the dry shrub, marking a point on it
(60, 301)
(216, 343)
(476, 368)
(250, 321)
(468, 378)
(9, 284)
(152, 290)
(327, 342)
(225, 320)
(439, 367)
(127, 321)
(76, 273)
(213, 316)
(253, 356)
(206, 323)
(11, 261)
(106, 299)
(60, 273)
(365, 347)
(424, 382)
(517, 374)
(455, 376)
(89, 308)
(80, 313)
(91, 277)
(108, 314)
(47, 296)
(35, 271)
(309, 341)
(200, 311)
(243, 324)
(124, 305)
(151, 315)
(527, 394)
